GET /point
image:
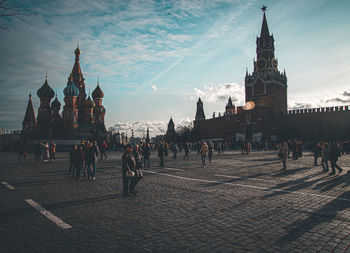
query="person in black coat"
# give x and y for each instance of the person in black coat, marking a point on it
(334, 154)
(79, 160)
(161, 153)
(128, 167)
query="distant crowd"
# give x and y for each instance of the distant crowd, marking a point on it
(83, 157)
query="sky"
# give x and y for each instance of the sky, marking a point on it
(155, 58)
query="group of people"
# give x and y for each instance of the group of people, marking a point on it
(84, 157)
(329, 152)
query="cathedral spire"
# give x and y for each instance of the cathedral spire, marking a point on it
(29, 121)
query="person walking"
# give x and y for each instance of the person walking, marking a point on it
(52, 150)
(175, 150)
(210, 151)
(104, 150)
(92, 156)
(283, 154)
(204, 152)
(71, 160)
(86, 147)
(146, 154)
(161, 153)
(325, 157)
(79, 160)
(187, 151)
(46, 153)
(21, 150)
(128, 168)
(317, 151)
(334, 154)
(138, 170)
(37, 152)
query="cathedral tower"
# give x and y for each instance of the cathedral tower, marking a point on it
(29, 121)
(45, 93)
(70, 110)
(79, 82)
(99, 110)
(266, 86)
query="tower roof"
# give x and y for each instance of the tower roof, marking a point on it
(229, 103)
(71, 90)
(76, 71)
(30, 115)
(264, 28)
(199, 100)
(97, 93)
(45, 90)
(89, 103)
(56, 103)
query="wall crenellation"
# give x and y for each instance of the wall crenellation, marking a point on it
(317, 110)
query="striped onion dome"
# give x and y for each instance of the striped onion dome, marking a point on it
(56, 103)
(71, 90)
(89, 103)
(45, 91)
(97, 93)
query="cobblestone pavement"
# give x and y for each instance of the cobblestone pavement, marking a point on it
(237, 203)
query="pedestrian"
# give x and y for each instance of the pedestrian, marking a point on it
(325, 157)
(334, 154)
(161, 153)
(52, 150)
(92, 156)
(204, 152)
(317, 152)
(79, 160)
(128, 168)
(175, 150)
(187, 151)
(71, 160)
(37, 152)
(146, 154)
(104, 150)
(295, 149)
(283, 154)
(21, 150)
(210, 151)
(86, 147)
(300, 149)
(46, 153)
(138, 170)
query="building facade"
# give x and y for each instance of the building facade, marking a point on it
(82, 115)
(265, 115)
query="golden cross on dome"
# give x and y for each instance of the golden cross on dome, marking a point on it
(98, 80)
(264, 8)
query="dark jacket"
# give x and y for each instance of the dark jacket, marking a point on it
(128, 163)
(334, 153)
(78, 158)
(92, 154)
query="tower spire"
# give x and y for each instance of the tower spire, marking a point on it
(264, 28)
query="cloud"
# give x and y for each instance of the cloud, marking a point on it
(340, 100)
(154, 87)
(222, 92)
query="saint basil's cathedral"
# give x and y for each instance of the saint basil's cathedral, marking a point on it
(81, 116)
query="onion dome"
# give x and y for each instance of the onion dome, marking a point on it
(97, 93)
(45, 91)
(71, 90)
(55, 103)
(89, 103)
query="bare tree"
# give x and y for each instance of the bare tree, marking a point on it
(8, 9)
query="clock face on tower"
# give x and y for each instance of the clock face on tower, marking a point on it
(261, 63)
(274, 63)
